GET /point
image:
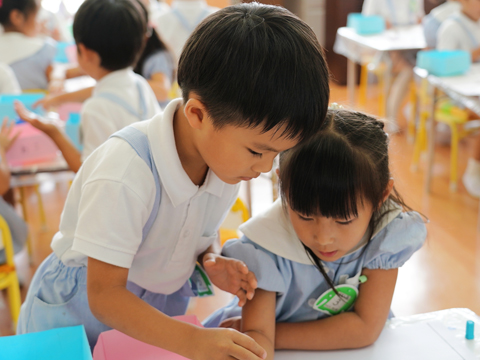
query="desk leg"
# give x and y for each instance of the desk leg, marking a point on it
(386, 89)
(431, 139)
(351, 79)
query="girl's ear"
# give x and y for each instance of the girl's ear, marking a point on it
(16, 18)
(388, 190)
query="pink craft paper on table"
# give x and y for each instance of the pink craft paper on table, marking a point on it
(32, 146)
(114, 345)
(64, 110)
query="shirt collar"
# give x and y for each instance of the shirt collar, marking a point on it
(175, 181)
(116, 79)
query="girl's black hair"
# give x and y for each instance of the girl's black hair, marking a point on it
(335, 171)
(115, 29)
(26, 7)
(154, 44)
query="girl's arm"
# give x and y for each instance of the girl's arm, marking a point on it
(160, 85)
(350, 329)
(115, 306)
(258, 320)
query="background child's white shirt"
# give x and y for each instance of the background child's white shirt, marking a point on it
(453, 36)
(444, 11)
(406, 12)
(15, 46)
(112, 197)
(171, 29)
(8, 81)
(102, 117)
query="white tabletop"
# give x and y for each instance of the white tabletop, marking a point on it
(354, 46)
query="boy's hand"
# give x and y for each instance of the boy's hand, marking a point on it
(45, 125)
(6, 140)
(232, 323)
(230, 275)
(48, 102)
(222, 344)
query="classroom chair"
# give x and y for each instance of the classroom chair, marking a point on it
(376, 67)
(8, 274)
(238, 215)
(451, 115)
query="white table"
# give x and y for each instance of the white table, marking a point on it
(452, 321)
(356, 48)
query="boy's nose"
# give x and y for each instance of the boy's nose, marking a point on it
(263, 166)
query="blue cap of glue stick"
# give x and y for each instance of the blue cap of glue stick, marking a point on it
(470, 327)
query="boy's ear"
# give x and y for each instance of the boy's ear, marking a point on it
(388, 190)
(195, 112)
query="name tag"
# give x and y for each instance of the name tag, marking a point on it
(200, 283)
(333, 304)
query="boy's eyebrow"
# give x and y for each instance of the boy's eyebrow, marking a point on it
(264, 147)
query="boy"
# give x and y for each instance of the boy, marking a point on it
(254, 83)
(461, 31)
(110, 37)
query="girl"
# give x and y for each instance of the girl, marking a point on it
(340, 215)
(29, 56)
(156, 65)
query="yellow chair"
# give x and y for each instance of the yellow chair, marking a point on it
(456, 119)
(8, 274)
(238, 214)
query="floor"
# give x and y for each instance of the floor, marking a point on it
(445, 273)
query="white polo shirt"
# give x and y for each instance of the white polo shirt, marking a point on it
(459, 32)
(8, 81)
(396, 12)
(112, 197)
(172, 27)
(101, 117)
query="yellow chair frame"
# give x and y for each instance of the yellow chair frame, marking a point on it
(227, 234)
(8, 274)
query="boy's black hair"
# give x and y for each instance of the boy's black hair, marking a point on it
(257, 65)
(115, 29)
(26, 7)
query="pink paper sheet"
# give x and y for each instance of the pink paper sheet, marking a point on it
(114, 345)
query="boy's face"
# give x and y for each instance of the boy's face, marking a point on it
(239, 153)
(471, 8)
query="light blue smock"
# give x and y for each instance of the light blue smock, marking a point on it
(296, 284)
(31, 71)
(159, 62)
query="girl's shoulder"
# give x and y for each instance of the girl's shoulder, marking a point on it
(395, 243)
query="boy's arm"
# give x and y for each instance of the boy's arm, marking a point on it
(258, 320)
(69, 151)
(350, 329)
(115, 306)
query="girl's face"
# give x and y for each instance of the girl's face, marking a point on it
(330, 239)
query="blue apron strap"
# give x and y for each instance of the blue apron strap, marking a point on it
(467, 31)
(141, 114)
(189, 27)
(139, 142)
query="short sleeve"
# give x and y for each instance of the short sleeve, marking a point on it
(159, 62)
(396, 243)
(446, 36)
(430, 29)
(8, 81)
(259, 260)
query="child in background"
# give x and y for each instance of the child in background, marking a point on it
(176, 25)
(461, 31)
(17, 226)
(431, 22)
(339, 231)
(147, 204)
(29, 56)
(397, 13)
(156, 65)
(120, 97)
(8, 81)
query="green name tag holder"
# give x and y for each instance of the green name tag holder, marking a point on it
(200, 283)
(333, 304)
